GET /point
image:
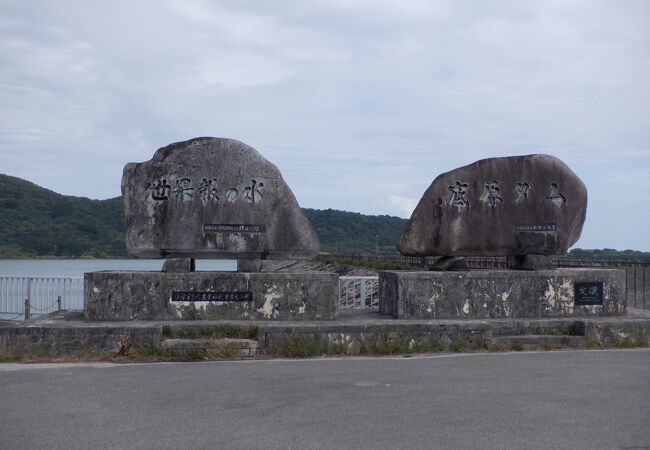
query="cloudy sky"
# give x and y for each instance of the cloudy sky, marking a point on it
(359, 103)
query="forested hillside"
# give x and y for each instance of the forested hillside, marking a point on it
(36, 222)
(348, 232)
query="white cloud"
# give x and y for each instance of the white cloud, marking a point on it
(359, 103)
(405, 205)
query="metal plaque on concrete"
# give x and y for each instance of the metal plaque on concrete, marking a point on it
(211, 296)
(589, 293)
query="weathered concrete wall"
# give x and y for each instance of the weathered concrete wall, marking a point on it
(368, 334)
(210, 295)
(637, 281)
(496, 293)
(62, 340)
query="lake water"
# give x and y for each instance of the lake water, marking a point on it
(77, 267)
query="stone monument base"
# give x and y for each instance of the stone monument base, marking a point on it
(502, 294)
(122, 295)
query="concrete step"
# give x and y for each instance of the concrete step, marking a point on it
(220, 348)
(540, 341)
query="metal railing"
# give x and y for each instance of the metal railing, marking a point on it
(358, 292)
(492, 262)
(24, 297)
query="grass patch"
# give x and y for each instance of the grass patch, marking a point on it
(497, 346)
(294, 347)
(422, 346)
(481, 342)
(552, 346)
(385, 345)
(553, 332)
(148, 350)
(592, 343)
(626, 342)
(516, 347)
(192, 355)
(460, 346)
(250, 332)
(630, 342)
(10, 358)
(337, 348)
(155, 352)
(212, 333)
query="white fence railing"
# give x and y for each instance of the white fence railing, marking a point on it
(48, 294)
(358, 292)
(44, 295)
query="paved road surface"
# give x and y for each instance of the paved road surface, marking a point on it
(576, 399)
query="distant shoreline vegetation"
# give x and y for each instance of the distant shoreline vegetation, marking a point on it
(36, 223)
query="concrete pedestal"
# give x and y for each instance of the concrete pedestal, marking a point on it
(120, 295)
(502, 294)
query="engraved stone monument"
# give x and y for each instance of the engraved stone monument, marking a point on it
(211, 198)
(514, 206)
(521, 207)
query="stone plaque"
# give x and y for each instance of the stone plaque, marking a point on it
(213, 198)
(211, 296)
(588, 293)
(527, 227)
(234, 228)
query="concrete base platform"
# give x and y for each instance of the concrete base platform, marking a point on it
(353, 333)
(119, 295)
(502, 294)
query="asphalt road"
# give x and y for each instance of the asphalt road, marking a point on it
(573, 399)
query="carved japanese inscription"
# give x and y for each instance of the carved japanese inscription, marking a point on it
(517, 205)
(522, 189)
(457, 192)
(491, 194)
(211, 296)
(252, 192)
(588, 293)
(555, 196)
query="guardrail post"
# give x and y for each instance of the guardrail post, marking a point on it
(58, 303)
(28, 309)
(362, 292)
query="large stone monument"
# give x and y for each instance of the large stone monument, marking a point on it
(521, 207)
(515, 206)
(220, 199)
(213, 198)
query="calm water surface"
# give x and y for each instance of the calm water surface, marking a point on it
(77, 267)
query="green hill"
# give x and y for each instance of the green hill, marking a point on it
(36, 222)
(349, 232)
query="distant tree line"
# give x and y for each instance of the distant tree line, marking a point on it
(36, 222)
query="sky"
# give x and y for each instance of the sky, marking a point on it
(360, 104)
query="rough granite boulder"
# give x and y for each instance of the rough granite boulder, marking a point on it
(518, 205)
(213, 198)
